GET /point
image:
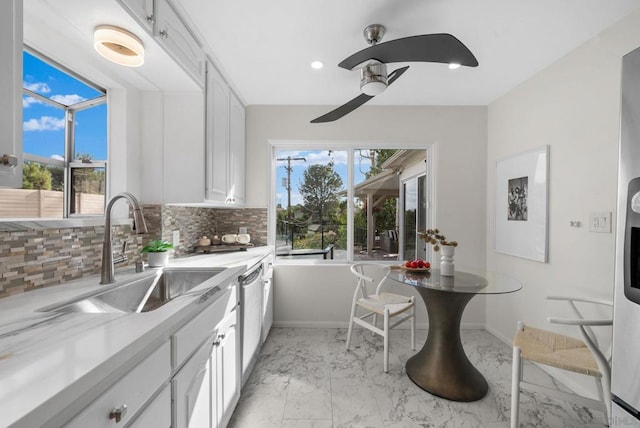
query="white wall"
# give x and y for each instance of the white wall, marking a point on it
(573, 106)
(321, 294)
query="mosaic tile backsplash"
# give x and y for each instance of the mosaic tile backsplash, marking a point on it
(36, 258)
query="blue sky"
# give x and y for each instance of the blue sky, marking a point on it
(43, 125)
(312, 157)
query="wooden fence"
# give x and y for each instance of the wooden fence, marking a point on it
(25, 203)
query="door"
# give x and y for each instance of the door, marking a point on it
(414, 196)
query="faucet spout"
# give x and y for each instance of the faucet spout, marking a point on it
(139, 225)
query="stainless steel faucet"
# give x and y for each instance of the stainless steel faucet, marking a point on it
(139, 225)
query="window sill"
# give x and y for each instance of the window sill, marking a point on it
(22, 224)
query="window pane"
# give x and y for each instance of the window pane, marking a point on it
(87, 191)
(50, 82)
(376, 191)
(43, 129)
(41, 195)
(90, 133)
(311, 205)
(410, 208)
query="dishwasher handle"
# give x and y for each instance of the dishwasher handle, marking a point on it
(251, 277)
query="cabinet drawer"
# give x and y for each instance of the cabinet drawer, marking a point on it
(186, 340)
(158, 413)
(132, 391)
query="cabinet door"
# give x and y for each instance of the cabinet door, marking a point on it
(178, 41)
(217, 135)
(236, 150)
(191, 390)
(228, 368)
(11, 93)
(142, 11)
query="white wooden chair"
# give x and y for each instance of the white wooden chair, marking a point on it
(389, 305)
(563, 352)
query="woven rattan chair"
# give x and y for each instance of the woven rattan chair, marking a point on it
(556, 350)
(388, 305)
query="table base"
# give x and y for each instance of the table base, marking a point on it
(442, 367)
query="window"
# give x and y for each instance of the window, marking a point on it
(64, 144)
(314, 221)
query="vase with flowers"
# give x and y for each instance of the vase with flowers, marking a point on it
(440, 242)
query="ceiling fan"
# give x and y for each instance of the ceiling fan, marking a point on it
(372, 62)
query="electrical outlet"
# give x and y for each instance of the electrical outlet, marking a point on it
(176, 238)
(600, 221)
(242, 230)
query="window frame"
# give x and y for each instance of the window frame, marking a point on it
(349, 147)
(70, 163)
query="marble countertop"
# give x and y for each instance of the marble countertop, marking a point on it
(51, 362)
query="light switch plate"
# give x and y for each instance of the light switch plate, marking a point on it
(176, 238)
(600, 221)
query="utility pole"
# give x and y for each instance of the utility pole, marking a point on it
(289, 168)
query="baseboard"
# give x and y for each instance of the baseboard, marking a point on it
(337, 324)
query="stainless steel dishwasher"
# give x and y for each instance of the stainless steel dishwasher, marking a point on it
(251, 292)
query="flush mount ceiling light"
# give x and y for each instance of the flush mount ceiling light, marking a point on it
(118, 45)
(317, 65)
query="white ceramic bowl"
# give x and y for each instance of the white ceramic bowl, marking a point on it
(230, 238)
(243, 238)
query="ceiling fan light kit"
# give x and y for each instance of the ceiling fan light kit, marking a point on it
(442, 48)
(373, 79)
(118, 45)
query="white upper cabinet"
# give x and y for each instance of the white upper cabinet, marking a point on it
(11, 93)
(142, 10)
(217, 136)
(236, 150)
(178, 41)
(225, 142)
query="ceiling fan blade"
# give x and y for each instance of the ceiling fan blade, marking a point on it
(356, 102)
(443, 48)
(344, 109)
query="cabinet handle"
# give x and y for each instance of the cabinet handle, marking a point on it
(218, 340)
(164, 34)
(151, 19)
(118, 413)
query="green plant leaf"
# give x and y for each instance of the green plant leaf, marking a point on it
(157, 246)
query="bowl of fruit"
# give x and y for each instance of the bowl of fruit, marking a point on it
(416, 266)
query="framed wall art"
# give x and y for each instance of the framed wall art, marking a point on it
(522, 184)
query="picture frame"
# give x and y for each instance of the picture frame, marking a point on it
(521, 205)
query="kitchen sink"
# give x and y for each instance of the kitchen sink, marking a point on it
(142, 294)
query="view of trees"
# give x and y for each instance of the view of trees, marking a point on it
(38, 176)
(322, 217)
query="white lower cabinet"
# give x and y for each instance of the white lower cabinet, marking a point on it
(123, 400)
(191, 390)
(207, 388)
(158, 413)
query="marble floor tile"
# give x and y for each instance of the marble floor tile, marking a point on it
(304, 378)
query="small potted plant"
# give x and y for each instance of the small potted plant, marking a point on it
(157, 252)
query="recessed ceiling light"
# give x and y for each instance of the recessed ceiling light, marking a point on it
(453, 65)
(118, 45)
(317, 65)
